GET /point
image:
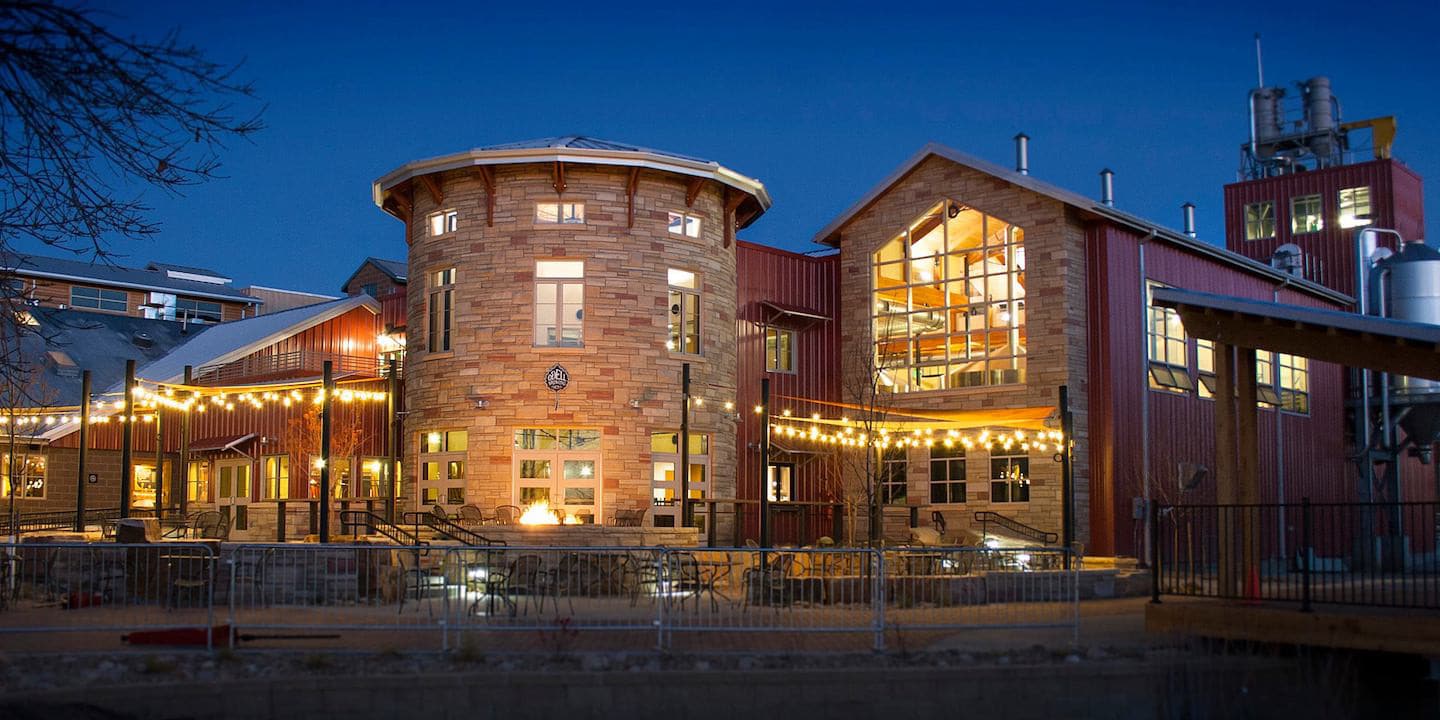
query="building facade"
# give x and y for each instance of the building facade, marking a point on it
(158, 291)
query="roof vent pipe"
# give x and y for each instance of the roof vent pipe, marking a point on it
(1022, 154)
(1107, 187)
(1189, 210)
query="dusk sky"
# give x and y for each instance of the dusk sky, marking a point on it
(819, 103)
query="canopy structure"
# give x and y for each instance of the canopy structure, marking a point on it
(892, 419)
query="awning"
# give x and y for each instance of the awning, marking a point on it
(221, 443)
(894, 419)
(793, 311)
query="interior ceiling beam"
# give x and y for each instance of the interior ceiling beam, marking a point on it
(630, 187)
(487, 178)
(1334, 345)
(433, 187)
(557, 176)
(693, 191)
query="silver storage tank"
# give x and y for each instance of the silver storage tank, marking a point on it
(1265, 104)
(1413, 293)
(1320, 115)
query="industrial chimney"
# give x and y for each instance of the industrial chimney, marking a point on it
(1107, 187)
(1022, 154)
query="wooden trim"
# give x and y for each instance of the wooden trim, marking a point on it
(487, 178)
(693, 191)
(436, 194)
(732, 200)
(558, 177)
(630, 188)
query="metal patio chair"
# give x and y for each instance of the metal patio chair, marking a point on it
(507, 514)
(414, 574)
(470, 515)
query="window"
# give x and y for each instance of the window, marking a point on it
(1294, 383)
(949, 302)
(1307, 214)
(1205, 367)
(684, 312)
(684, 224)
(947, 473)
(1260, 220)
(894, 465)
(1354, 207)
(373, 471)
(781, 479)
(442, 467)
(99, 299)
(442, 309)
(1265, 379)
(371, 289)
(562, 467)
(559, 303)
(197, 310)
(1169, 368)
(560, 213)
(779, 350)
(665, 476)
(275, 476)
(29, 475)
(197, 482)
(1009, 478)
(444, 222)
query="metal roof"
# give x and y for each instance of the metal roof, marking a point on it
(826, 236)
(115, 275)
(187, 269)
(578, 149)
(396, 270)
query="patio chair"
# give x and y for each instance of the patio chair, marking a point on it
(507, 514)
(469, 515)
(439, 512)
(937, 519)
(249, 570)
(414, 574)
(682, 579)
(638, 571)
(770, 584)
(528, 576)
(211, 525)
(581, 575)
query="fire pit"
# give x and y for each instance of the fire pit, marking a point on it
(539, 513)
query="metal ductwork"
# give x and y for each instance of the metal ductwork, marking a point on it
(1022, 154)
(1107, 187)
(1188, 212)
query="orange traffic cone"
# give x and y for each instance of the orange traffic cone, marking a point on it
(1252, 587)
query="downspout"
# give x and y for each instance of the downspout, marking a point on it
(1145, 394)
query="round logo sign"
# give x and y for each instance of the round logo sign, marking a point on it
(556, 378)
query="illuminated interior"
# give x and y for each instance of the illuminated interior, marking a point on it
(950, 302)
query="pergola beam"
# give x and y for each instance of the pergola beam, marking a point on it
(1395, 355)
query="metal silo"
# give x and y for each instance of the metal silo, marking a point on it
(1321, 116)
(1411, 286)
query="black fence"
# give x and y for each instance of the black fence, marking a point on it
(22, 523)
(1368, 554)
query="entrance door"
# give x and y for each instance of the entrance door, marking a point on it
(560, 467)
(233, 492)
(665, 478)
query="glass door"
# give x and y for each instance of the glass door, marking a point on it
(665, 478)
(233, 492)
(561, 468)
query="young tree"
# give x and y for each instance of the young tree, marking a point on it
(302, 443)
(861, 469)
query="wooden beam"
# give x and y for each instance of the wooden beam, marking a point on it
(401, 195)
(557, 176)
(487, 178)
(630, 188)
(434, 188)
(1225, 493)
(693, 191)
(1333, 345)
(733, 199)
(1247, 466)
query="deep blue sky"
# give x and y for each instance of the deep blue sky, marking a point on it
(818, 102)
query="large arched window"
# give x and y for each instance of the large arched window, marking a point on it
(950, 302)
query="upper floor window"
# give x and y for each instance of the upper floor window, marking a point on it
(949, 302)
(559, 303)
(779, 350)
(894, 466)
(1009, 478)
(1260, 220)
(371, 289)
(197, 310)
(1169, 367)
(684, 224)
(1307, 214)
(1205, 367)
(100, 299)
(1294, 383)
(275, 476)
(947, 473)
(442, 309)
(1265, 379)
(1354, 207)
(444, 222)
(560, 213)
(684, 312)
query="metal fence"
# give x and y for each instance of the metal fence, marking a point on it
(1365, 554)
(378, 597)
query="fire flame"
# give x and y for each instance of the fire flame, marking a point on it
(539, 513)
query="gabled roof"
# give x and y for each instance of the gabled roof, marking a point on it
(115, 275)
(579, 149)
(187, 270)
(829, 234)
(233, 340)
(396, 270)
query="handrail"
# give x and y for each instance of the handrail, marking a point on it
(378, 524)
(986, 517)
(447, 527)
(53, 519)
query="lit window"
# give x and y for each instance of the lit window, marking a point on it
(684, 224)
(1265, 379)
(1205, 367)
(1294, 383)
(947, 473)
(1307, 214)
(1009, 478)
(1355, 207)
(442, 467)
(684, 316)
(781, 482)
(779, 350)
(275, 471)
(373, 471)
(1169, 368)
(560, 213)
(894, 467)
(30, 478)
(100, 299)
(197, 310)
(197, 482)
(442, 309)
(559, 303)
(949, 302)
(1260, 220)
(444, 222)
(561, 467)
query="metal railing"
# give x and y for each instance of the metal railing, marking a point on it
(1010, 525)
(357, 597)
(53, 520)
(1364, 554)
(287, 364)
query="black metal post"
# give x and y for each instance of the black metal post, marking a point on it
(162, 503)
(1067, 483)
(184, 470)
(127, 440)
(280, 521)
(685, 517)
(1156, 555)
(1305, 554)
(327, 401)
(12, 476)
(81, 478)
(765, 462)
(392, 438)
